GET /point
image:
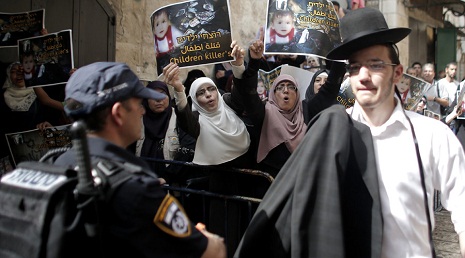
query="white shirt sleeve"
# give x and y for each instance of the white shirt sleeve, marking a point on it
(180, 99)
(238, 70)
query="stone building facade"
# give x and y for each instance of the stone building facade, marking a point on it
(134, 43)
(124, 32)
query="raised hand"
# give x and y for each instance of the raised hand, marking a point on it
(238, 53)
(257, 47)
(171, 74)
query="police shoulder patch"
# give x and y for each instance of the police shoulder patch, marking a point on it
(172, 219)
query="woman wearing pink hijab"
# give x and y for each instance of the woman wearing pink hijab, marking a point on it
(278, 124)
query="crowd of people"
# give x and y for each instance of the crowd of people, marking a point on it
(374, 159)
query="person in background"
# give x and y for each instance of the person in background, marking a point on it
(192, 75)
(449, 82)
(145, 221)
(162, 138)
(436, 95)
(222, 73)
(411, 71)
(311, 64)
(337, 8)
(23, 108)
(318, 80)
(418, 69)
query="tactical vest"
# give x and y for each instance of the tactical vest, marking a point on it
(41, 215)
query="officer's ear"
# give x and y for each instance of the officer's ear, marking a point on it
(116, 113)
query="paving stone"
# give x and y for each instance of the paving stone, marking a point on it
(446, 241)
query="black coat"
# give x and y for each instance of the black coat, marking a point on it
(325, 200)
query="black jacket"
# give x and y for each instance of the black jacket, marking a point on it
(325, 200)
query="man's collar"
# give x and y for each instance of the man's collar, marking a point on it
(396, 115)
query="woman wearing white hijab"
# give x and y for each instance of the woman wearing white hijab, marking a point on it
(222, 139)
(21, 107)
(221, 135)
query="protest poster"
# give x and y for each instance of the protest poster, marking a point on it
(15, 26)
(192, 33)
(296, 27)
(268, 77)
(48, 59)
(33, 144)
(431, 114)
(460, 102)
(411, 90)
(346, 96)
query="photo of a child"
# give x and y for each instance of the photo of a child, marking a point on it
(164, 33)
(32, 73)
(261, 90)
(404, 89)
(281, 29)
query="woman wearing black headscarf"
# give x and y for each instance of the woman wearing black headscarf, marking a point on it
(162, 138)
(309, 104)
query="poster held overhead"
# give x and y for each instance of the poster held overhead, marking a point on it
(301, 27)
(192, 33)
(48, 59)
(16, 26)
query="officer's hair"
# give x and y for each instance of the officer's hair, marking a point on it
(95, 121)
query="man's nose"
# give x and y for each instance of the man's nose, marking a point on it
(363, 73)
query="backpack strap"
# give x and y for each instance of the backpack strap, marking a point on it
(110, 175)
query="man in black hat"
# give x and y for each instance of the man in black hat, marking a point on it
(414, 154)
(142, 220)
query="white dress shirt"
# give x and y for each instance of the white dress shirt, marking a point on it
(451, 88)
(405, 228)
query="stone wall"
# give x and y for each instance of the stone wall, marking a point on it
(134, 41)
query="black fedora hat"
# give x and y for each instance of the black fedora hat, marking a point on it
(362, 28)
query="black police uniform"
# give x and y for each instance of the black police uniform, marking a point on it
(141, 219)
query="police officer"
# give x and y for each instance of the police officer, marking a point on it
(141, 219)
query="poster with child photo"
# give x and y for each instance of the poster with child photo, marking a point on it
(192, 33)
(33, 144)
(296, 27)
(411, 90)
(48, 59)
(301, 76)
(16, 26)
